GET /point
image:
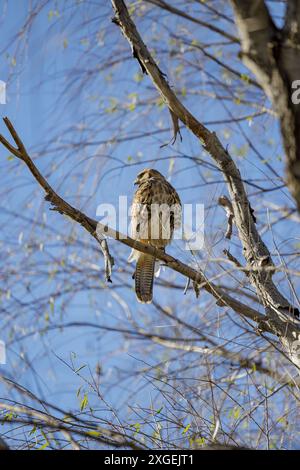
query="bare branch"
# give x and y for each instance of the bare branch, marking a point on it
(234, 260)
(254, 249)
(99, 231)
(97, 433)
(183, 14)
(108, 259)
(224, 202)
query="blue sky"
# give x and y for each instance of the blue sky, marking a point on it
(53, 109)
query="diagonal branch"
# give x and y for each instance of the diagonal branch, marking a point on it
(256, 253)
(59, 204)
(100, 232)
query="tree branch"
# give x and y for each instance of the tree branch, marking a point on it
(176, 11)
(100, 231)
(257, 255)
(224, 202)
(96, 433)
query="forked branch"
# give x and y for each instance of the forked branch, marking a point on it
(280, 313)
(100, 232)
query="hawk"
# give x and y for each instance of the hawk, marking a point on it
(155, 214)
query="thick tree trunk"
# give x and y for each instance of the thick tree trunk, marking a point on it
(273, 56)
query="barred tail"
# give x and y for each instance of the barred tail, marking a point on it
(144, 274)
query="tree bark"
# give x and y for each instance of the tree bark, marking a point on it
(280, 314)
(273, 55)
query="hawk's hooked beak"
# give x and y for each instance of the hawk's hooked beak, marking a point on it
(136, 181)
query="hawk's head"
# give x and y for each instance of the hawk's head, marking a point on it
(146, 174)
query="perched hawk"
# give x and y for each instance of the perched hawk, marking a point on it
(155, 213)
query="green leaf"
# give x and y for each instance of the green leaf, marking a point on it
(44, 446)
(160, 102)
(33, 430)
(138, 77)
(53, 13)
(179, 69)
(236, 413)
(245, 77)
(9, 416)
(51, 302)
(85, 41)
(131, 106)
(94, 433)
(186, 429)
(200, 441)
(131, 9)
(137, 428)
(84, 402)
(113, 106)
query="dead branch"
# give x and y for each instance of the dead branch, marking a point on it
(224, 202)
